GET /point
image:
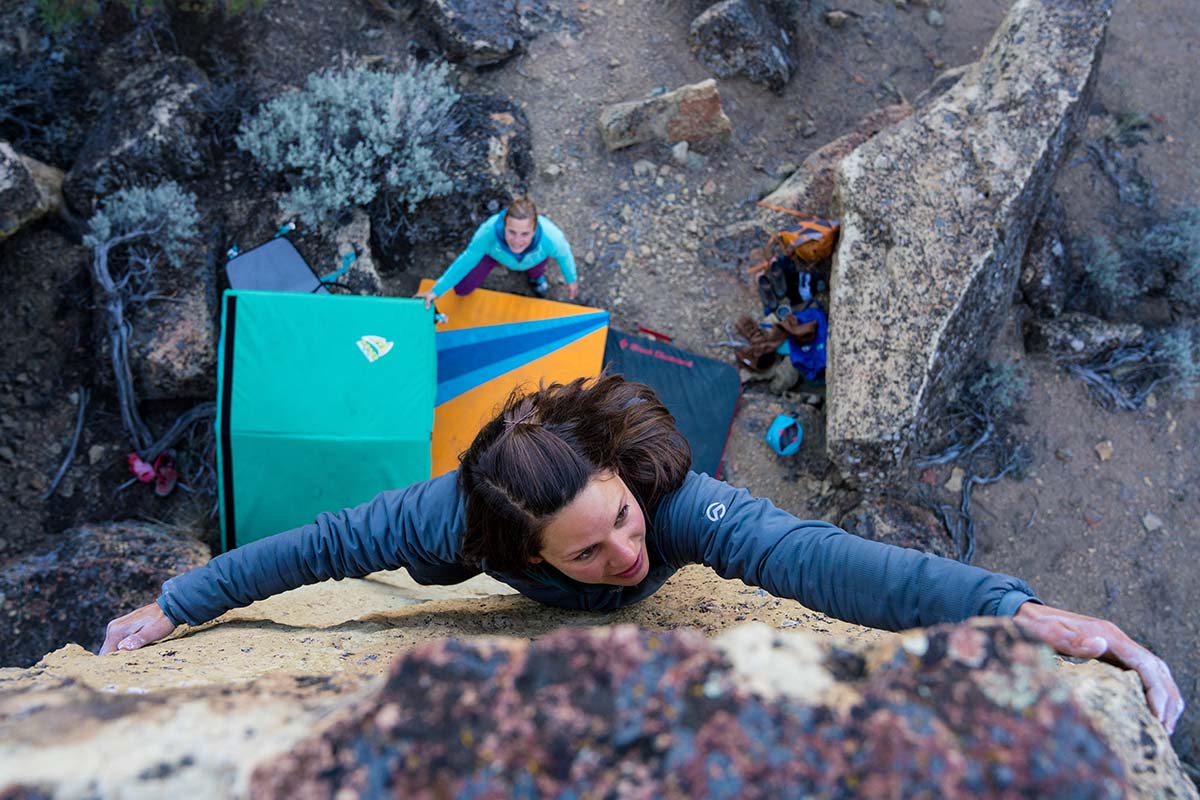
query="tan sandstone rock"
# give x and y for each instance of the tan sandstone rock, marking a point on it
(690, 113)
(29, 190)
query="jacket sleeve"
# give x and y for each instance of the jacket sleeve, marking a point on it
(481, 244)
(823, 567)
(418, 527)
(561, 250)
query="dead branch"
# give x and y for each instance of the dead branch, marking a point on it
(84, 396)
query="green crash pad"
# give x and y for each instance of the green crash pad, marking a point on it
(323, 401)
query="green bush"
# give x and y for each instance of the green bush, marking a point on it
(353, 137)
(1178, 350)
(1103, 265)
(1175, 246)
(162, 219)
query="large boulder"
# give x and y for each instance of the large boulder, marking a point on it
(29, 190)
(484, 34)
(971, 710)
(150, 130)
(936, 213)
(691, 114)
(84, 578)
(958, 711)
(754, 38)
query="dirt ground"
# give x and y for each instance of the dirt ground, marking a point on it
(1073, 527)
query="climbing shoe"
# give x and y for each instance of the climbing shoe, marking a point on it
(766, 294)
(540, 286)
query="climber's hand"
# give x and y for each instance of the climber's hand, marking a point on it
(572, 290)
(428, 297)
(135, 629)
(1087, 637)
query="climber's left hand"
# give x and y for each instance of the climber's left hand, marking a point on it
(1081, 636)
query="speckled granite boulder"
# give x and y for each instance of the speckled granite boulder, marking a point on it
(936, 213)
(955, 711)
(87, 576)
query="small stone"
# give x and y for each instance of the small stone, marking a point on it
(1092, 517)
(1105, 450)
(786, 169)
(589, 258)
(1151, 522)
(1151, 401)
(709, 187)
(642, 168)
(552, 171)
(613, 63)
(836, 19)
(934, 18)
(95, 453)
(956, 480)
(623, 186)
(646, 250)
(1064, 454)
(809, 130)
(7, 455)
(929, 476)
(679, 152)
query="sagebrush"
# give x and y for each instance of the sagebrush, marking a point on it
(356, 137)
(1161, 256)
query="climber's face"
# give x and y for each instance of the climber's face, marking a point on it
(518, 233)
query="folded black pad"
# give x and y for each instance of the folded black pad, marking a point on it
(701, 393)
(274, 266)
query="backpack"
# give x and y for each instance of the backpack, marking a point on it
(811, 241)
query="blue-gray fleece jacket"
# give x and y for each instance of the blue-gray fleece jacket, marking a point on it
(705, 521)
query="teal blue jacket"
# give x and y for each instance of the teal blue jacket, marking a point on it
(548, 242)
(705, 521)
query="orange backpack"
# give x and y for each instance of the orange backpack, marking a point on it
(809, 242)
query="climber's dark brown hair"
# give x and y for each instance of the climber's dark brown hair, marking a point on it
(543, 447)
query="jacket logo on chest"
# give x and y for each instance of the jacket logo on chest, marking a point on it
(715, 511)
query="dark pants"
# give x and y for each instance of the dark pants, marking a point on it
(474, 279)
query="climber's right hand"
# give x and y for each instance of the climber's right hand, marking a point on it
(428, 297)
(137, 628)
